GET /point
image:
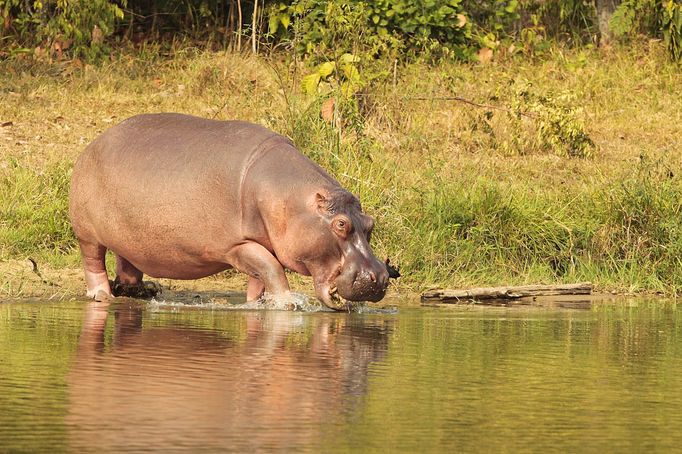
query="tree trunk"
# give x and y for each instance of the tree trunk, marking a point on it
(239, 26)
(605, 9)
(254, 23)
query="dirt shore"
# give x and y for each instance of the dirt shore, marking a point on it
(24, 279)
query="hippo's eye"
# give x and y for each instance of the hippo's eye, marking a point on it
(341, 227)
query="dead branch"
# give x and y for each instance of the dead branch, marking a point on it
(487, 293)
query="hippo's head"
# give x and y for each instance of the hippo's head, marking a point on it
(337, 252)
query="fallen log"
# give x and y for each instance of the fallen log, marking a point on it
(488, 293)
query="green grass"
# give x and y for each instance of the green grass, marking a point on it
(462, 195)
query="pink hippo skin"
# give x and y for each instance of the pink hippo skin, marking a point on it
(182, 197)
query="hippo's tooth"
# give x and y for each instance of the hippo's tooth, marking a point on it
(339, 302)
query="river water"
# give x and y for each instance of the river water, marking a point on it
(132, 376)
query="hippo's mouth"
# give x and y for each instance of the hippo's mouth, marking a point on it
(338, 302)
(329, 295)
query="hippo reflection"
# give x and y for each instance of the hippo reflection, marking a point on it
(138, 374)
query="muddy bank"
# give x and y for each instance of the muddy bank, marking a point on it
(25, 279)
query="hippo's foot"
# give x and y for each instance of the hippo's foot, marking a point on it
(143, 289)
(100, 295)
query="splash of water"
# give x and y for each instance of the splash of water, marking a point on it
(296, 302)
(293, 302)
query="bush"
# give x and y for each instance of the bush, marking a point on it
(420, 26)
(653, 18)
(55, 26)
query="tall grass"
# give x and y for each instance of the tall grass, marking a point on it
(33, 209)
(454, 205)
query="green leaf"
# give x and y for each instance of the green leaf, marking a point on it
(351, 73)
(326, 69)
(273, 24)
(512, 6)
(286, 20)
(348, 58)
(349, 89)
(310, 83)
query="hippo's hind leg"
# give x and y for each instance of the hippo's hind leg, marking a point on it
(129, 282)
(126, 273)
(96, 277)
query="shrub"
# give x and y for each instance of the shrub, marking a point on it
(57, 25)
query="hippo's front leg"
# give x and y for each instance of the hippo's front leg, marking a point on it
(263, 269)
(254, 289)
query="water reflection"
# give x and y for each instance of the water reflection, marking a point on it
(188, 380)
(94, 378)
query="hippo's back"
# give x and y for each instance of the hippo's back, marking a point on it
(159, 179)
(179, 143)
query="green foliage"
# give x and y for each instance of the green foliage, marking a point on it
(34, 209)
(572, 19)
(57, 25)
(635, 16)
(655, 18)
(395, 28)
(497, 16)
(342, 75)
(672, 28)
(481, 225)
(641, 224)
(559, 129)
(533, 38)
(535, 122)
(424, 26)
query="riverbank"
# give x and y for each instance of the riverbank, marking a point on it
(24, 280)
(464, 195)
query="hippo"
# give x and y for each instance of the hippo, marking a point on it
(181, 197)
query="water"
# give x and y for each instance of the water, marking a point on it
(90, 377)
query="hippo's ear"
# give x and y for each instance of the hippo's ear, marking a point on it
(323, 203)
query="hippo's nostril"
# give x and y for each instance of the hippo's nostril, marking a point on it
(372, 276)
